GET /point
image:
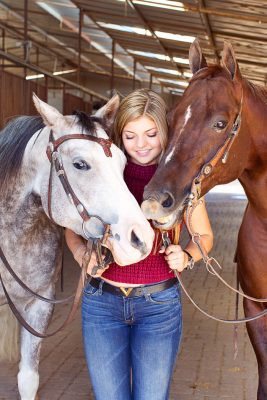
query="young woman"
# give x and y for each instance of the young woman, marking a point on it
(131, 315)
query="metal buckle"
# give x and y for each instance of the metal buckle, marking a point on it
(126, 291)
(166, 241)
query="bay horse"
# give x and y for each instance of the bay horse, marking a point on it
(221, 116)
(30, 225)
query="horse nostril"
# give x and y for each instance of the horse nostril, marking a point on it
(135, 241)
(168, 201)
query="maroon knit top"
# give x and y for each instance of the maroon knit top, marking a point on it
(153, 268)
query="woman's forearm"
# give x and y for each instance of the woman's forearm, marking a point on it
(192, 248)
(76, 245)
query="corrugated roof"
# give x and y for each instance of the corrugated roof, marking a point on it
(145, 33)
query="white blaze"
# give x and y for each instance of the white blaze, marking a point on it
(169, 156)
(187, 116)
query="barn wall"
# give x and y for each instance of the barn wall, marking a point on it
(71, 103)
(16, 96)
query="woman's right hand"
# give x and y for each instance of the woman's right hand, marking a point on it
(91, 265)
(79, 254)
(77, 246)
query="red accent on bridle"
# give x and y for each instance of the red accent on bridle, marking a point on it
(55, 143)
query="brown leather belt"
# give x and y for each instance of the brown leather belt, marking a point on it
(133, 291)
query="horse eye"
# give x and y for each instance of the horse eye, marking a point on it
(82, 165)
(219, 125)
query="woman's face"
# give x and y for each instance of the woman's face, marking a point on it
(141, 141)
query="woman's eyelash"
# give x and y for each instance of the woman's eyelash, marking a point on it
(148, 134)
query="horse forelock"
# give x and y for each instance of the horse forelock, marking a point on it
(13, 141)
(88, 123)
(209, 72)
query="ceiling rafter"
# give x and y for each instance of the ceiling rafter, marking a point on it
(149, 27)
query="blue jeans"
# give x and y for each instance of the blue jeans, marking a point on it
(131, 343)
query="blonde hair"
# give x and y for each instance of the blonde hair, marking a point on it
(141, 102)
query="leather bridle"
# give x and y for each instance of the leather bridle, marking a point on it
(222, 153)
(56, 162)
(92, 244)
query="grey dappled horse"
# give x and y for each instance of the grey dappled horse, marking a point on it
(31, 241)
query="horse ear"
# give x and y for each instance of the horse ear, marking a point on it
(196, 59)
(49, 114)
(109, 110)
(229, 60)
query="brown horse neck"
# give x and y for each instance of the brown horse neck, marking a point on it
(254, 116)
(254, 133)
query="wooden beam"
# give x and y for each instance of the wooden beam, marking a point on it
(229, 14)
(112, 67)
(148, 26)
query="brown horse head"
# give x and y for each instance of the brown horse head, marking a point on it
(200, 125)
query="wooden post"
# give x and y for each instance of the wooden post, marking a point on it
(150, 81)
(134, 72)
(112, 68)
(80, 44)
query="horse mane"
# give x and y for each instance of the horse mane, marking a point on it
(13, 141)
(258, 91)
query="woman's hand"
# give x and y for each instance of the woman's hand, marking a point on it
(175, 257)
(92, 263)
(79, 254)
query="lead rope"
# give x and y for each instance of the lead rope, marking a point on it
(236, 317)
(75, 304)
(196, 238)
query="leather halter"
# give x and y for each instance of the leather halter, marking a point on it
(222, 153)
(56, 161)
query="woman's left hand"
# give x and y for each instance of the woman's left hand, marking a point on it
(175, 257)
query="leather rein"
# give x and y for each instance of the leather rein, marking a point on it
(193, 201)
(92, 244)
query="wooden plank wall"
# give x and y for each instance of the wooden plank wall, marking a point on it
(72, 103)
(16, 96)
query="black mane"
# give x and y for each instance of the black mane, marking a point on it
(16, 135)
(13, 141)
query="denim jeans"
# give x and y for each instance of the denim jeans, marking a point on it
(131, 343)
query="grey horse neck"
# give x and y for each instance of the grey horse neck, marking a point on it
(29, 240)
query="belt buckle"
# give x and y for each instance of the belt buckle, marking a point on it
(126, 291)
